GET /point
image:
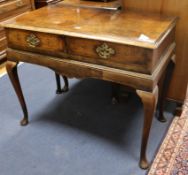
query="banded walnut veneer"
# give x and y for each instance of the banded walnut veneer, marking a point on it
(129, 48)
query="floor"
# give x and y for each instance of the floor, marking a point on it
(79, 132)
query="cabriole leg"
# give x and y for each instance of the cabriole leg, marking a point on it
(66, 84)
(13, 75)
(149, 100)
(58, 83)
(163, 89)
(115, 90)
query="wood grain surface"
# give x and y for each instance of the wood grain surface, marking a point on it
(139, 29)
(109, 42)
(11, 9)
(179, 82)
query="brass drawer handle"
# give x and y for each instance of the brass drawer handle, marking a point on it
(19, 3)
(104, 51)
(32, 40)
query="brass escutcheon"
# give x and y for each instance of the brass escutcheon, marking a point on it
(104, 51)
(32, 40)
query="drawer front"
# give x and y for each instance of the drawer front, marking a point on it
(3, 44)
(1, 1)
(2, 33)
(10, 6)
(110, 54)
(35, 41)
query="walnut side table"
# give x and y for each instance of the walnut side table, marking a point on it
(125, 47)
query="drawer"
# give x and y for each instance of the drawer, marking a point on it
(35, 41)
(3, 44)
(13, 5)
(13, 8)
(1, 1)
(114, 55)
(2, 33)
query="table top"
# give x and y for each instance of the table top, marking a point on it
(121, 26)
